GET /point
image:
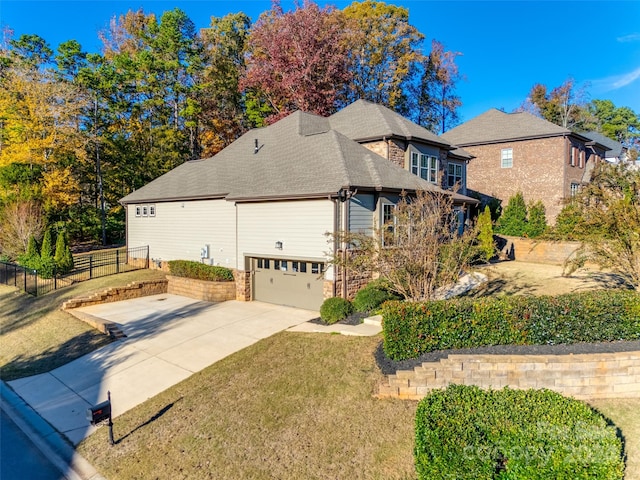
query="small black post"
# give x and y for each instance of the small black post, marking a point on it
(90, 266)
(111, 442)
(117, 261)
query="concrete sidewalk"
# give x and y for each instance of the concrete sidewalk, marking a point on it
(168, 339)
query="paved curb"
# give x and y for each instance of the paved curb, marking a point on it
(72, 465)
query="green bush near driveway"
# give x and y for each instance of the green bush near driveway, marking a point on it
(335, 309)
(464, 432)
(373, 295)
(200, 271)
(411, 329)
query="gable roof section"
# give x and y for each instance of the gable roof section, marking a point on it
(495, 126)
(614, 149)
(298, 157)
(363, 120)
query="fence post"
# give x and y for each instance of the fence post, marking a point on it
(35, 281)
(147, 261)
(15, 275)
(117, 261)
(90, 266)
(55, 278)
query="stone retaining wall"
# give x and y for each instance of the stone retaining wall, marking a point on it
(202, 290)
(535, 251)
(582, 376)
(117, 294)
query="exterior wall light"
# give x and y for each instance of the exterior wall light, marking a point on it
(279, 245)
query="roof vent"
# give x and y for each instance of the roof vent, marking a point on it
(256, 149)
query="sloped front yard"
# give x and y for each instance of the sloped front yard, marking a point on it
(292, 406)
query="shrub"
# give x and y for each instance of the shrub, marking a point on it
(486, 243)
(47, 261)
(335, 309)
(513, 220)
(63, 257)
(31, 258)
(411, 329)
(200, 271)
(537, 220)
(464, 432)
(372, 296)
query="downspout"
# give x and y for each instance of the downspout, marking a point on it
(336, 227)
(344, 245)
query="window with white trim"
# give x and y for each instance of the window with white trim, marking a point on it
(454, 175)
(145, 211)
(152, 210)
(575, 189)
(138, 211)
(506, 158)
(424, 166)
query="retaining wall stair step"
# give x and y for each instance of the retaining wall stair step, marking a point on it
(114, 331)
(375, 320)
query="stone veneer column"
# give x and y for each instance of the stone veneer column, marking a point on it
(243, 285)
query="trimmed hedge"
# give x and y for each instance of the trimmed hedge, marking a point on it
(464, 432)
(335, 309)
(373, 295)
(200, 271)
(411, 329)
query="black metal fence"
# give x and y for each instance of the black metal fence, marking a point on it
(85, 267)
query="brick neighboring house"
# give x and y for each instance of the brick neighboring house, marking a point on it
(520, 152)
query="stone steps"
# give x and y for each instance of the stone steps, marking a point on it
(583, 376)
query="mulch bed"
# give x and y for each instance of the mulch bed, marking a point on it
(354, 319)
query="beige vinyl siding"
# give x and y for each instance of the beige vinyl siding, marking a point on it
(299, 225)
(179, 230)
(361, 211)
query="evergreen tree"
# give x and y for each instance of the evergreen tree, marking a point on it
(537, 220)
(513, 220)
(63, 257)
(485, 235)
(31, 258)
(47, 263)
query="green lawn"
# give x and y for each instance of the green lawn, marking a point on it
(293, 406)
(36, 336)
(289, 407)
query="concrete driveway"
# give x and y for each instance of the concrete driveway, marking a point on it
(168, 339)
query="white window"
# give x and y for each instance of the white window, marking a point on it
(425, 166)
(138, 211)
(152, 210)
(454, 175)
(575, 188)
(145, 211)
(506, 158)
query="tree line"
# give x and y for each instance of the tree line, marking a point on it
(79, 130)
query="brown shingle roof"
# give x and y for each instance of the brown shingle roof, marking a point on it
(495, 126)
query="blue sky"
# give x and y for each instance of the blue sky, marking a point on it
(507, 46)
